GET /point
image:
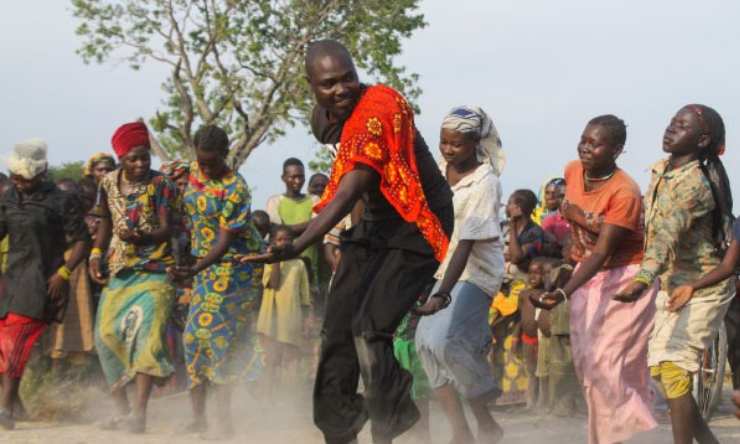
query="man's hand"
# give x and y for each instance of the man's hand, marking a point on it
(631, 293)
(273, 254)
(679, 298)
(546, 301)
(96, 273)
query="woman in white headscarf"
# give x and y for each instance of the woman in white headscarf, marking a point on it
(41, 223)
(453, 343)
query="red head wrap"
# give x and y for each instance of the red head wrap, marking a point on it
(129, 136)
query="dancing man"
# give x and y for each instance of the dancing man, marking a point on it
(388, 258)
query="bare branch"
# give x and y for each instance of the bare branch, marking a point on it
(186, 107)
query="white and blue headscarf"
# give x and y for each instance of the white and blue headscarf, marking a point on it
(472, 119)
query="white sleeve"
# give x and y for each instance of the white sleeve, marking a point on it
(272, 209)
(480, 215)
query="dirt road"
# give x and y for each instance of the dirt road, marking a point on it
(289, 422)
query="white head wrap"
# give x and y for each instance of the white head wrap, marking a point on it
(472, 119)
(28, 158)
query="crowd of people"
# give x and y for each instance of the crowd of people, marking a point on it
(396, 269)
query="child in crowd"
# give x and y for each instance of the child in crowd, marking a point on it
(524, 242)
(317, 184)
(262, 222)
(526, 238)
(555, 226)
(535, 287)
(564, 392)
(555, 363)
(286, 302)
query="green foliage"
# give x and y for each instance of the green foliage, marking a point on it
(239, 63)
(322, 161)
(69, 170)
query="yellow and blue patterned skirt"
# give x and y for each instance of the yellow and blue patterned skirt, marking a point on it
(217, 338)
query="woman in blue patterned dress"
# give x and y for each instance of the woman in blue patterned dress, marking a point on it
(216, 339)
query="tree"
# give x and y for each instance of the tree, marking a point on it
(239, 63)
(322, 160)
(67, 170)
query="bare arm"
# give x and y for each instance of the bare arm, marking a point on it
(723, 271)
(457, 265)
(102, 240)
(351, 187)
(516, 252)
(609, 238)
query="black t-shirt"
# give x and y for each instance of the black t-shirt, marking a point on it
(377, 208)
(39, 229)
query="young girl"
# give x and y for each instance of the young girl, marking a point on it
(688, 218)
(609, 339)
(286, 302)
(452, 343)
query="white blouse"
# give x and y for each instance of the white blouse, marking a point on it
(477, 201)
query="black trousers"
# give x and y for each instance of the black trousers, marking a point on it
(732, 323)
(375, 286)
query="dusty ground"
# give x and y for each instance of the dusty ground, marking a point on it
(289, 422)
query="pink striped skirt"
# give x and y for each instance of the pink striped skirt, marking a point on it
(609, 341)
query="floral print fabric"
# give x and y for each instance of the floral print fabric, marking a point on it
(380, 134)
(140, 208)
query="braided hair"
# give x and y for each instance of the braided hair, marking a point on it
(714, 170)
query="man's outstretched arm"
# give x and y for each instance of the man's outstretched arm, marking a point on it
(351, 188)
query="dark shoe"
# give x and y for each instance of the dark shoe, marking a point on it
(6, 420)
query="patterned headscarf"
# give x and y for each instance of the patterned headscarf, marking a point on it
(175, 169)
(472, 119)
(96, 158)
(28, 158)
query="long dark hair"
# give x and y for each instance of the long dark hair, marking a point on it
(714, 171)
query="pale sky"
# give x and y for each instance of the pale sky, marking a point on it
(540, 68)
